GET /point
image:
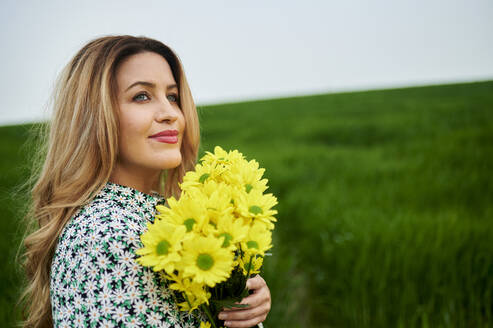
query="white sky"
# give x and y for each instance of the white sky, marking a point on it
(239, 50)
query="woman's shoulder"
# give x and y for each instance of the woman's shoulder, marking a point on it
(93, 232)
(95, 265)
(107, 212)
(106, 217)
(115, 208)
(116, 214)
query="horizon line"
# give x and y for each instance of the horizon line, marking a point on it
(287, 95)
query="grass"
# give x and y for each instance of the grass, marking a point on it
(385, 211)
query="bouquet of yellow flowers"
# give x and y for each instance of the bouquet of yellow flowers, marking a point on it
(215, 236)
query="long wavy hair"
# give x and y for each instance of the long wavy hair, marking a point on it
(80, 151)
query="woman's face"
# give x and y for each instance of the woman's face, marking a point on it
(151, 122)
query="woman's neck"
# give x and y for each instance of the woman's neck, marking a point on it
(144, 181)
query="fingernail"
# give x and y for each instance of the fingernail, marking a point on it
(227, 323)
(222, 316)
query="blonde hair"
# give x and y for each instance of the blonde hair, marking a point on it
(71, 172)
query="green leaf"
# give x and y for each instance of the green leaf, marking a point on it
(203, 177)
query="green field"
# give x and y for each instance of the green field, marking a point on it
(385, 204)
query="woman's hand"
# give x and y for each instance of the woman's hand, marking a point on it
(259, 306)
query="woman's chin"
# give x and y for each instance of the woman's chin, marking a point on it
(170, 162)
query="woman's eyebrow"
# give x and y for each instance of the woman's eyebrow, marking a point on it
(150, 84)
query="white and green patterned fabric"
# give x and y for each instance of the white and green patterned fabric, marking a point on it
(95, 280)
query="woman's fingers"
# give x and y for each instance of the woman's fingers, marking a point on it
(245, 314)
(259, 306)
(252, 300)
(261, 294)
(255, 283)
(245, 323)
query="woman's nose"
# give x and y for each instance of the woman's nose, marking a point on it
(166, 111)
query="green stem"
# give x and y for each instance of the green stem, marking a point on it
(208, 313)
(241, 251)
(188, 301)
(249, 267)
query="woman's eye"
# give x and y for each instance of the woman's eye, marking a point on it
(139, 97)
(174, 98)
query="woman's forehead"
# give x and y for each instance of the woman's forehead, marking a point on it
(147, 67)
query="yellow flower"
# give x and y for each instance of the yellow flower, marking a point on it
(258, 240)
(195, 294)
(218, 201)
(247, 176)
(211, 187)
(201, 173)
(162, 243)
(233, 230)
(190, 211)
(206, 261)
(205, 324)
(257, 207)
(254, 266)
(221, 157)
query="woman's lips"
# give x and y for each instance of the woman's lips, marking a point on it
(167, 136)
(167, 139)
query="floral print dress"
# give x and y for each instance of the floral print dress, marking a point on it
(95, 280)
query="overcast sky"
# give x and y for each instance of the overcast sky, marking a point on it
(241, 50)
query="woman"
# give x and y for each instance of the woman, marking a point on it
(125, 131)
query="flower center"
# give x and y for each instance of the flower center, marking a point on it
(205, 261)
(227, 239)
(252, 244)
(255, 209)
(189, 223)
(162, 247)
